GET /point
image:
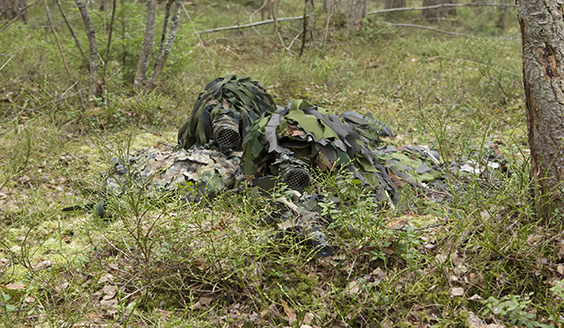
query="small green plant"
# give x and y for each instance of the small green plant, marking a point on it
(512, 309)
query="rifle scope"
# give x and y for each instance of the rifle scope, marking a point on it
(225, 131)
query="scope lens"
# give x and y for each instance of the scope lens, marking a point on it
(297, 179)
(225, 131)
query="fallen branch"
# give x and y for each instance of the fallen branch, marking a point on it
(236, 27)
(287, 19)
(440, 6)
(432, 29)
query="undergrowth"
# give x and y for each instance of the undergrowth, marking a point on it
(476, 252)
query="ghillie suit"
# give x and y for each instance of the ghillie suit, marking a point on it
(290, 144)
(302, 139)
(194, 175)
(224, 112)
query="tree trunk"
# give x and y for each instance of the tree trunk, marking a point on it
(433, 14)
(147, 47)
(395, 4)
(10, 9)
(543, 78)
(355, 11)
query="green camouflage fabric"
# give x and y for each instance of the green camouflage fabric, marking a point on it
(310, 136)
(162, 168)
(224, 112)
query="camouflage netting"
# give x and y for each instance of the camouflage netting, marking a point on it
(161, 168)
(224, 112)
(309, 138)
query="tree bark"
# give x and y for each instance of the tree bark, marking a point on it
(355, 11)
(147, 47)
(542, 28)
(11, 9)
(434, 14)
(164, 52)
(395, 4)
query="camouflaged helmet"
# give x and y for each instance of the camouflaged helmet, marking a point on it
(224, 112)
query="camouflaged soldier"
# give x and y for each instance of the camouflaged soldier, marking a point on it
(287, 145)
(224, 112)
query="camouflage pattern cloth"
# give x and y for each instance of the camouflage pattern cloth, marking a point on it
(162, 168)
(224, 112)
(307, 136)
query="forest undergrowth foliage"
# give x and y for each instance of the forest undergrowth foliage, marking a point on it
(483, 257)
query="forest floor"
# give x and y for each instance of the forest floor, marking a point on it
(481, 259)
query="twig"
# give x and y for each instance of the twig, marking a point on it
(432, 29)
(57, 40)
(256, 11)
(327, 23)
(76, 41)
(109, 43)
(36, 109)
(441, 6)
(18, 16)
(6, 63)
(235, 27)
(198, 36)
(304, 30)
(91, 33)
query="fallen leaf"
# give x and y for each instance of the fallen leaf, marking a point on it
(15, 287)
(106, 278)
(354, 287)
(109, 302)
(476, 297)
(560, 269)
(29, 299)
(61, 287)
(110, 291)
(456, 291)
(308, 318)
(204, 301)
(291, 314)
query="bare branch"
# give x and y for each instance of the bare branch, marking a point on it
(91, 33)
(440, 6)
(147, 47)
(432, 29)
(198, 36)
(76, 41)
(57, 40)
(287, 19)
(109, 44)
(268, 21)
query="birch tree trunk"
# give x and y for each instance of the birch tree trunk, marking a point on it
(148, 43)
(542, 30)
(165, 48)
